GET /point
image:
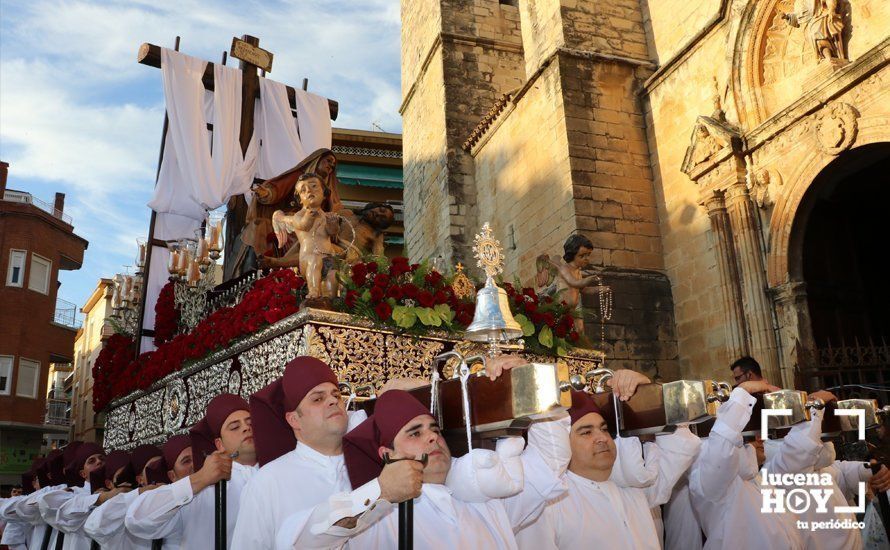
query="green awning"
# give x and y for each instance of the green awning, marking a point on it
(370, 176)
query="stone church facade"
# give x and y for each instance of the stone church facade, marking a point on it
(729, 160)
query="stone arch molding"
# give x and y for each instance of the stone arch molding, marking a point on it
(774, 61)
(781, 268)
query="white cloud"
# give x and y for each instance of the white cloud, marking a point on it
(79, 115)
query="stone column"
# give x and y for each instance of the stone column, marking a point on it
(795, 329)
(730, 284)
(757, 306)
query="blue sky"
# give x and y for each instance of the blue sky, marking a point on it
(80, 116)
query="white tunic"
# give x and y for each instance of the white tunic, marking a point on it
(682, 530)
(444, 522)
(66, 511)
(174, 511)
(616, 513)
(801, 449)
(28, 510)
(16, 531)
(106, 526)
(300, 482)
(725, 488)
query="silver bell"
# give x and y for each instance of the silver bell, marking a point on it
(492, 322)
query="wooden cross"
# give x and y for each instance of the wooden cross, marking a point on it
(251, 57)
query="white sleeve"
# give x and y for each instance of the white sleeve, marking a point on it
(49, 504)
(542, 484)
(28, 508)
(155, 513)
(482, 474)
(717, 464)
(675, 453)
(107, 521)
(551, 439)
(74, 512)
(800, 449)
(630, 468)
(7, 508)
(316, 527)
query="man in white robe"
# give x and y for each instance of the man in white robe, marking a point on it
(725, 486)
(28, 510)
(15, 531)
(611, 488)
(300, 421)
(106, 524)
(57, 508)
(402, 429)
(184, 510)
(803, 438)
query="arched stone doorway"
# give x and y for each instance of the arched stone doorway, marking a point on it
(839, 245)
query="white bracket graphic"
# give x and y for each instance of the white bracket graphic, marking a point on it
(854, 412)
(860, 509)
(764, 420)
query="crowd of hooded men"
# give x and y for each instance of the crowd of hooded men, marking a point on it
(305, 472)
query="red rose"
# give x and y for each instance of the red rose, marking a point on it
(441, 297)
(433, 278)
(394, 292)
(531, 307)
(350, 299)
(561, 331)
(359, 274)
(530, 293)
(377, 294)
(414, 267)
(573, 336)
(508, 288)
(399, 266)
(372, 267)
(425, 298)
(549, 320)
(410, 290)
(381, 280)
(383, 310)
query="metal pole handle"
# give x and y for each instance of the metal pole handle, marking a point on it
(220, 498)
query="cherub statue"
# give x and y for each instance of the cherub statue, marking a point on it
(279, 193)
(367, 232)
(316, 230)
(568, 275)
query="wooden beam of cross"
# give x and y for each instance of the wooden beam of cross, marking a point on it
(150, 55)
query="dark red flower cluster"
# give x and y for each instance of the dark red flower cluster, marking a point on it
(271, 299)
(166, 315)
(373, 291)
(117, 352)
(543, 311)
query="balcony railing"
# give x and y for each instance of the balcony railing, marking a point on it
(66, 314)
(58, 412)
(28, 198)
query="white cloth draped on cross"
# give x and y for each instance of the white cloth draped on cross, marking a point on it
(201, 169)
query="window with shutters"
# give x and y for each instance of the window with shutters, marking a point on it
(28, 378)
(38, 278)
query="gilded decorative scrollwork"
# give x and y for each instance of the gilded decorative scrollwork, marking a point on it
(357, 351)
